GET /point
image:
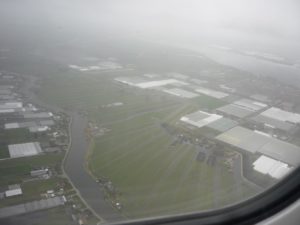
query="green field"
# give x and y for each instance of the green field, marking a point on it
(151, 177)
(32, 190)
(12, 171)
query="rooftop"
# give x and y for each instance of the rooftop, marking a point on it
(181, 93)
(281, 115)
(254, 142)
(272, 167)
(242, 108)
(200, 118)
(222, 124)
(24, 149)
(212, 93)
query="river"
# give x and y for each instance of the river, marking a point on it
(88, 188)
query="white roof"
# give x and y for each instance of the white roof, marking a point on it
(212, 93)
(11, 105)
(14, 192)
(11, 125)
(7, 110)
(38, 129)
(278, 114)
(181, 93)
(158, 83)
(204, 118)
(24, 149)
(250, 105)
(272, 167)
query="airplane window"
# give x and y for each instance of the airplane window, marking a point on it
(125, 110)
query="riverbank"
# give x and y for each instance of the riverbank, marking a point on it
(73, 162)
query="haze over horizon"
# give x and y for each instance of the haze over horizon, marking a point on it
(270, 25)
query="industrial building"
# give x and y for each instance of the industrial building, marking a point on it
(222, 125)
(13, 190)
(24, 149)
(200, 119)
(273, 124)
(32, 206)
(281, 115)
(142, 83)
(211, 93)
(181, 93)
(39, 126)
(38, 129)
(275, 119)
(259, 143)
(241, 108)
(11, 105)
(37, 115)
(272, 167)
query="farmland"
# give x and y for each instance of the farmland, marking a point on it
(150, 175)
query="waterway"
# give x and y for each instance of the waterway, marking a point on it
(74, 168)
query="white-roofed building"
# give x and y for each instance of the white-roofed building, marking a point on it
(159, 83)
(200, 119)
(13, 190)
(24, 149)
(11, 105)
(8, 126)
(281, 115)
(181, 93)
(38, 129)
(211, 93)
(7, 111)
(272, 167)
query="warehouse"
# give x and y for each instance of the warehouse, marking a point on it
(13, 190)
(222, 124)
(241, 108)
(132, 81)
(281, 115)
(159, 83)
(257, 142)
(41, 125)
(39, 115)
(24, 149)
(200, 118)
(8, 126)
(142, 83)
(4, 111)
(273, 124)
(181, 93)
(38, 129)
(272, 167)
(234, 111)
(11, 105)
(211, 93)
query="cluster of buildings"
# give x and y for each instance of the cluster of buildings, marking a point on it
(175, 84)
(16, 113)
(254, 128)
(253, 124)
(38, 129)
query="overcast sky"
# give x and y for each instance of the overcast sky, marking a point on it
(160, 19)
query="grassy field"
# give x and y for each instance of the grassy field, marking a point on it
(151, 176)
(32, 190)
(12, 171)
